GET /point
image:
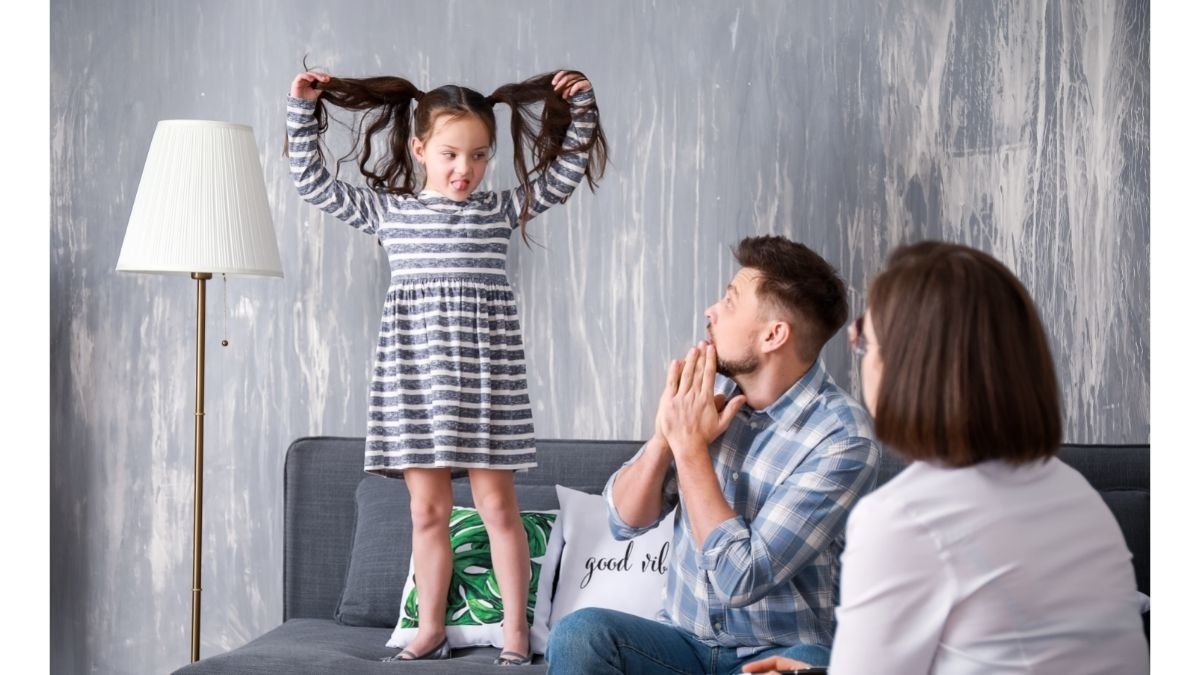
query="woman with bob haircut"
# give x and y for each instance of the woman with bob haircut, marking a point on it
(987, 554)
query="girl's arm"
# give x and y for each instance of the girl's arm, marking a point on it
(566, 172)
(359, 206)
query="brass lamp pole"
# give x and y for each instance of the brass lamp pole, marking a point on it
(201, 209)
(198, 492)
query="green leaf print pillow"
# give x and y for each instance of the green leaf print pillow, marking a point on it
(473, 606)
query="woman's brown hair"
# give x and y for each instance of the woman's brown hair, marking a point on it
(967, 371)
(540, 118)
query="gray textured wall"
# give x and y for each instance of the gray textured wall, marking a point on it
(1018, 126)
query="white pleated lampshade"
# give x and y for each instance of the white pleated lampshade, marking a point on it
(201, 205)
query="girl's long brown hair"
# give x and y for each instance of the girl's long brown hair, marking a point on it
(540, 118)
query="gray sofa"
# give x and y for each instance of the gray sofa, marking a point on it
(323, 475)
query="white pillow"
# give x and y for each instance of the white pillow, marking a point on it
(473, 613)
(598, 571)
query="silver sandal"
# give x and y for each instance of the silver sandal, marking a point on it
(513, 659)
(438, 653)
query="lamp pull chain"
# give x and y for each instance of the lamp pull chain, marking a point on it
(225, 314)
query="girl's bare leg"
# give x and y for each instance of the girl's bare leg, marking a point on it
(429, 503)
(496, 498)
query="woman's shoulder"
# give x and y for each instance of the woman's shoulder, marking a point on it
(895, 513)
(924, 489)
(915, 479)
(937, 495)
(894, 499)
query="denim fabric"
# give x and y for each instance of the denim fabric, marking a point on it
(607, 642)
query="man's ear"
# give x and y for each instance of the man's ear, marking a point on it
(778, 334)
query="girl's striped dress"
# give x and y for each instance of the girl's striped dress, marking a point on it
(449, 388)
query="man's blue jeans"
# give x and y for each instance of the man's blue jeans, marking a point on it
(604, 641)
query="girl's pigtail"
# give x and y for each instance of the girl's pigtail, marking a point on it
(540, 118)
(387, 102)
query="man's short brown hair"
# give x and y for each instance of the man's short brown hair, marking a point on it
(802, 284)
(967, 372)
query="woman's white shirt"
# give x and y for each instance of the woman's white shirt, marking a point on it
(987, 569)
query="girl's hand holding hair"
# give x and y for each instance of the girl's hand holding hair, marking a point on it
(570, 82)
(302, 86)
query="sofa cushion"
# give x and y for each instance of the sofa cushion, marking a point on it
(321, 646)
(599, 571)
(474, 610)
(379, 553)
(371, 591)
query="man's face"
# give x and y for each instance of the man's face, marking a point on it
(734, 323)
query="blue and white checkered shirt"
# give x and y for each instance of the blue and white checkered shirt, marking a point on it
(792, 472)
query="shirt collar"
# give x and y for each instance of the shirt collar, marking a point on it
(792, 402)
(440, 202)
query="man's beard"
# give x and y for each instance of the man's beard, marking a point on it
(732, 368)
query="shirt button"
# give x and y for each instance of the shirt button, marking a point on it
(717, 625)
(736, 475)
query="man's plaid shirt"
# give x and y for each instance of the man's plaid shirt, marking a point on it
(792, 472)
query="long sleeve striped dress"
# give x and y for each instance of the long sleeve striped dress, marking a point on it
(449, 386)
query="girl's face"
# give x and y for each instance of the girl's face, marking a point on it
(455, 155)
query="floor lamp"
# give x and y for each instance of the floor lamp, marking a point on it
(201, 209)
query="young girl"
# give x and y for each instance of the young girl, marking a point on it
(449, 388)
